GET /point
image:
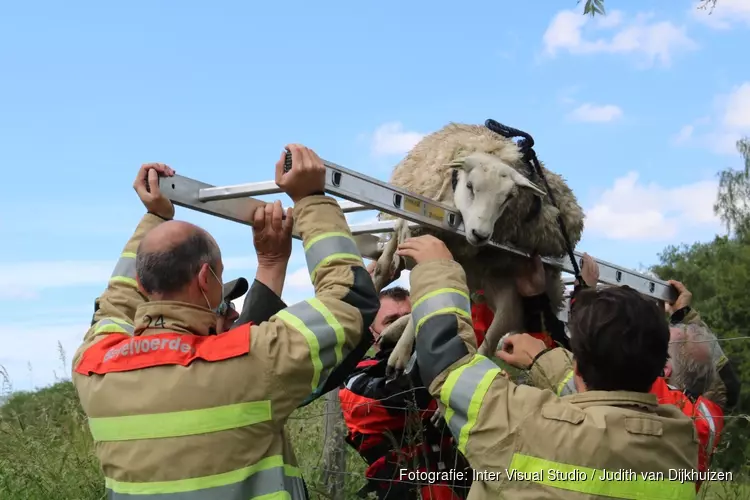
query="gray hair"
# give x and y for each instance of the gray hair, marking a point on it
(169, 271)
(693, 358)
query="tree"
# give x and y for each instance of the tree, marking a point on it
(596, 7)
(733, 201)
(718, 274)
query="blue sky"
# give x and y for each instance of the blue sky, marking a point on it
(638, 111)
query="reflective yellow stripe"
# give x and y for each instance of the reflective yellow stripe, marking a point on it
(567, 386)
(462, 394)
(327, 247)
(268, 479)
(124, 271)
(113, 325)
(441, 301)
(180, 423)
(324, 335)
(635, 488)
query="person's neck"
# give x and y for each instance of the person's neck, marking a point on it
(184, 296)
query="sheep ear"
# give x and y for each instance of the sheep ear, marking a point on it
(460, 164)
(522, 181)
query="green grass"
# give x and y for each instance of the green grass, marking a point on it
(46, 451)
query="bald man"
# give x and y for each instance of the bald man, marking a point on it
(177, 412)
(272, 243)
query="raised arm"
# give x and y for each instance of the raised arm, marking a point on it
(115, 308)
(482, 406)
(304, 343)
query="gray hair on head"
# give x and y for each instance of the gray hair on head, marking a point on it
(692, 355)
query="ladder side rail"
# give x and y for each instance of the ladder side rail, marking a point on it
(362, 190)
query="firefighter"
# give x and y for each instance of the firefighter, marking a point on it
(696, 378)
(524, 442)
(176, 411)
(390, 422)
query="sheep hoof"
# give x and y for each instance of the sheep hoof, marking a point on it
(392, 373)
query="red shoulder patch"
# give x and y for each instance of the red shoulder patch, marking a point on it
(120, 353)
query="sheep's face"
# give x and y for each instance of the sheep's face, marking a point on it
(485, 186)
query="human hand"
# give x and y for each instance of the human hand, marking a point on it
(520, 350)
(146, 185)
(272, 235)
(530, 280)
(307, 176)
(684, 298)
(424, 249)
(590, 270)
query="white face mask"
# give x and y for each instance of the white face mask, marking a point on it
(221, 309)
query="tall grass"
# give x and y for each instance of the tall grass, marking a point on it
(46, 449)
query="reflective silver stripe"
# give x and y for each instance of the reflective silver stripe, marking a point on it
(113, 325)
(328, 246)
(444, 300)
(462, 394)
(125, 269)
(324, 335)
(351, 381)
(281, 482)
(711, 426)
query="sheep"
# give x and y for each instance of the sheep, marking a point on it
(497, 201)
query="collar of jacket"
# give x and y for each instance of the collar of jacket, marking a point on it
(179, 317)
(645, 400)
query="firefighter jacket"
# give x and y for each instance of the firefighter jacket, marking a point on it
(176, 412)
(555, 372)
(526, 443)
(382, 416)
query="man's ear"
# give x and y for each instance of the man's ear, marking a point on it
(668, 369)
(203, 276)
(140, 289)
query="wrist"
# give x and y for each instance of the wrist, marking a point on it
(537, 356)
(273, 267)
(162, 217)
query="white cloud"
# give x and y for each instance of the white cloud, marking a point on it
(391, 139)
(724, 14)
(652, 42)
(596, 114)
(729, 123)
(24, 280)
(32, 345)
(630, 210)
(684, 135)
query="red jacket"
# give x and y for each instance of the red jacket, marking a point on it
(482, 317)
(376, 413)
(707, 417)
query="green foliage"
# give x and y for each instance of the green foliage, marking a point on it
(593, 7)
(718, 274)
(46, 450)
(596, 7)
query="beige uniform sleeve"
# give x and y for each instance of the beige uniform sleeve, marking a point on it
(304, 343)
(483, 408)
(115, 308)
(553, 370)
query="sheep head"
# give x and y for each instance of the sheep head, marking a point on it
(486, 184)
